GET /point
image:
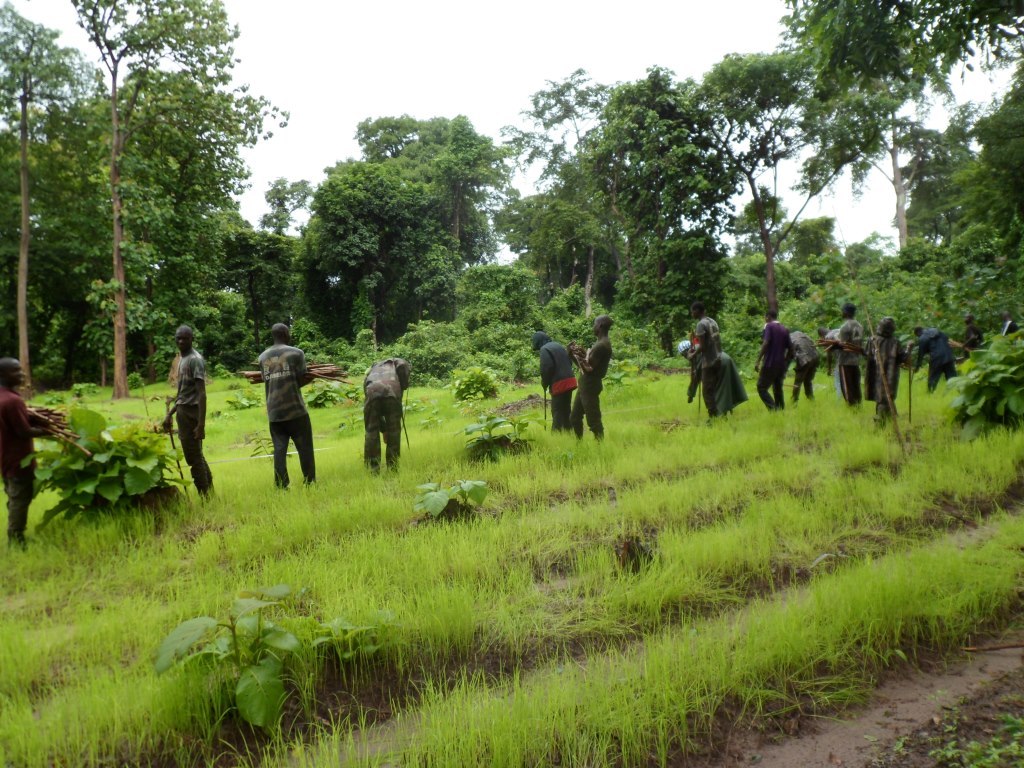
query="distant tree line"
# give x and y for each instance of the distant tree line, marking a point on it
(117, 221)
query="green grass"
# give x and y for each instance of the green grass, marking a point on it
(519, 640)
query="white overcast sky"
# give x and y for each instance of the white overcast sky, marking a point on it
(333, 63)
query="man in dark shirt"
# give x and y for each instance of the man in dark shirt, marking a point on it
(190, 408)
(935, 344)
(382, 410)
(284, 374)
(851, 334)
(1009, 326)
(709, 344)
(776, 350)
(556, 376)
(16, 433)
(973, 338)
(594, 368)
(885, 357)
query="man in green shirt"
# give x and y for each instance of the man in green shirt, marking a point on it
(284, 374)
(593, 367)
(190, 408)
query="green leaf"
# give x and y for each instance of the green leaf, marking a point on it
(146, 463)
(434, 502)
(87, 486)
(110, 489)
(276, 592)
(475, 490)
(247, 605)
(177, 645)
(137, 481)
(86, 423)
(281, 640)
(260, 692)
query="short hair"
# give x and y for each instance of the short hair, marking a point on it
(849, 309)
(8, 364)
(183, 329)
(918, 330)
(697, 306)
(280, 331)
(822, 330)
(603, 321)
(968, 318)
(772, 314)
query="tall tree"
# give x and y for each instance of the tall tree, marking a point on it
(33, 70)
(765, 112)
(142, 43)
(669, 188)
(284, 198)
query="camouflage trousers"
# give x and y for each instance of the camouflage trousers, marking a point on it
(382, 416)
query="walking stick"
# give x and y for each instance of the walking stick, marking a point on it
(170, 432)
(910, 394)
(404, 427)
(544, 392)
(700, 396)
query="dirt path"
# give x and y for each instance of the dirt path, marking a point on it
(898, 725)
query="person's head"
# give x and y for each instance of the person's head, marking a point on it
(183, 338)
(886, 327)
(1005, 314)
(849, 310)
(969, 319)
(771, 315)
(697, 309)
(281, 334)
(11, 374)
(539, 340)
(918, 330)
(822, 332)
(602, 324)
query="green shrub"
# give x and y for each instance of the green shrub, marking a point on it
(85, 389)
(455, 501)
(991, 387)
(494, 435)
(135, 381)
(125, 463)
(475, 383)
(245, 399)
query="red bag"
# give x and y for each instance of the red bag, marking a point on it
(563, 386)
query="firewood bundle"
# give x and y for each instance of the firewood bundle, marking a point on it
(836, 344)
(579, 354)
(326, 371)
(56, 426)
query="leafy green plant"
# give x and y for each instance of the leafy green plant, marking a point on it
(475, 383)
(620, 372)
(455, 501)
(323, 394)
(255, 654)
(54, 398)
(85, 389)
(433, 420)
(135, 380)
(243, 400)
(1005, 750)
(991, 387)
(494, 435)
(108, 471)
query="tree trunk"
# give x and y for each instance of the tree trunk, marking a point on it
(771, 295)
(120, 311)
(26, 234)
(588, 286)
(901, 196)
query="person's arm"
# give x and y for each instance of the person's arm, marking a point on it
(20, 422)
(760, 354)
(921, 347)
(200, 431)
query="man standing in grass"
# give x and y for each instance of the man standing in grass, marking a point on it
(776, 351)
(556, 375)
(806, 356)
(710, 346)
(190, 408)
(594, 367)
(283, 368)
(382, 410)
(885, 357)
(935, 344)
(851, 336)
(16, 433)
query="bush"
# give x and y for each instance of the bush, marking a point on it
(108, 470)
(991, 387)
(434, 350)
(135, 381)
(475, 384)
(243, 400)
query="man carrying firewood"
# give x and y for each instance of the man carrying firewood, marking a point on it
(190, 408)
(382, 410)
(594, 367)
(16, 433)
(283, 368)
(851, 337)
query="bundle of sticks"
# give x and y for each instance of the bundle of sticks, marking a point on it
(56, 426)
(579, 354)
(326, 371)
(845, 346)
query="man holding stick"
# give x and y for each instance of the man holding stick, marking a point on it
(283, 369)
(556, 376)
(190, 408)
(593, 367)
(885, 358)
(16, 433)
(851, 335)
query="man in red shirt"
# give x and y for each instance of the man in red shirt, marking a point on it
(16, 433)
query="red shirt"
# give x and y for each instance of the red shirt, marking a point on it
(15, 432)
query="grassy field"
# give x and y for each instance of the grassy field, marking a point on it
(796, 557)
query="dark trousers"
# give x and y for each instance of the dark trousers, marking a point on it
(561, 405)
(188, 419)
(299, 431)
(710, 375)
(587, 403)
(805, 377)
(382, 416)
(19, 490)
(935, 372)
(774, 378)
(849, 380)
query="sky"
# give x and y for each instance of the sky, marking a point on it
(334, 63)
